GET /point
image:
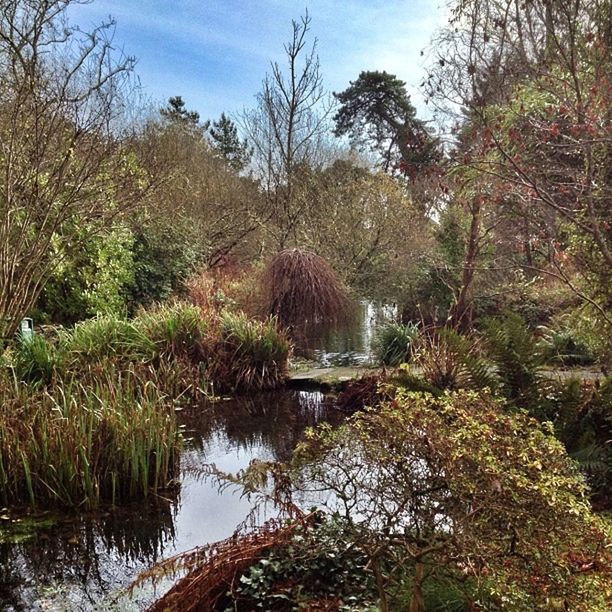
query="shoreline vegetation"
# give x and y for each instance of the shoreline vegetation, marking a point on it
(87, 414)
(168, 259)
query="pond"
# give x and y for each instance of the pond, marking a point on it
(69, 563)
(350, 344)
(73, 563)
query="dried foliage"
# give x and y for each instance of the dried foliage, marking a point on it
(302, 289)
(361, 393)
(212, 570)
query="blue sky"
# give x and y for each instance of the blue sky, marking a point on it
(216, 53)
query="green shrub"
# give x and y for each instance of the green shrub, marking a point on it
(318, 564)
(516, 355)
(177, 329)
(393, 342)
(455, 488)
(35, 360)
(562, 347)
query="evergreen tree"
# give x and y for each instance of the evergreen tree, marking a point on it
(224, 138)
(176, 112)
(376, 112)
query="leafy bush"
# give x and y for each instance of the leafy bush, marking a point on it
(454, 488)
(319, 565)
(393, 341)
(562, 347)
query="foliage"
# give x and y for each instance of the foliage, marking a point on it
(581, 412)
(318, 566)
(516, 354)
(93, 277)
(393, 343)
(250, 354)
(75, 445)
(449, 360)
(302, 288)
(224, 138)
(94, 340)
(377, 104)
(562, 347)
(452, 488)
(35, 360)
(176, 112)
(66, 171)
(164, 254)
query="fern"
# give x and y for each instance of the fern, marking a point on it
(516, 355)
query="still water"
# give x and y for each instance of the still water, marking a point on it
(80, 563)
(350, 344)
(85, 563)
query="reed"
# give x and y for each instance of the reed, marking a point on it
(249, 354)
(76, 446)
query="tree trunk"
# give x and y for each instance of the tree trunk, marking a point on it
(417, 603)
(460, 315)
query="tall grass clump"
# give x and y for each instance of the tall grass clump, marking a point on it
(35, 360)
(175, 330)
(77, 446)
(301, 288)
(250, 354)
(103, 337)
(393, 341)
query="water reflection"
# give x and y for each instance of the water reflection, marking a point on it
(83, 563)
(348, 344)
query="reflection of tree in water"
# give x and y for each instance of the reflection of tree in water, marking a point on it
(90, 556)
(91, 553)
(274, 421)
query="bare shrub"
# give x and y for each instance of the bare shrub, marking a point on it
(301, 288)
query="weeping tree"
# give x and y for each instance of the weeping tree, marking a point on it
(64, 172)
(301, 288)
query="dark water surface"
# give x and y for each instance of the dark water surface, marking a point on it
(350, 344)
(84, 563)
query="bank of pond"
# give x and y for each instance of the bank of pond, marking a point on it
(443, 484)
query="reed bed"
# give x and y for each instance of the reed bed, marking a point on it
(250, 354)
(86, 415)
(76, 446)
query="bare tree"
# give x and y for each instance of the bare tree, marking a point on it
(64, 174)
(287, 129)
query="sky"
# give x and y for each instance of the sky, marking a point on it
(215, 54)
